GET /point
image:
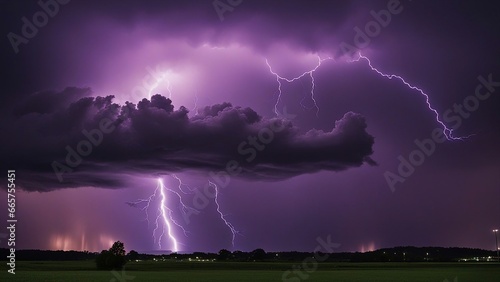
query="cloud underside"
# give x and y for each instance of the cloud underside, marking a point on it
(95, 142)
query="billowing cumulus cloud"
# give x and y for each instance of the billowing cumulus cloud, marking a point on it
(93, 141)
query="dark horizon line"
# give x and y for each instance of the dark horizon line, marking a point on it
(156, 252)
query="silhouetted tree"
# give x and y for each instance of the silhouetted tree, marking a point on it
(114, 258)
(258, 254)
(118, 249)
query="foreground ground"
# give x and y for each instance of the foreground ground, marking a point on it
(254, 271)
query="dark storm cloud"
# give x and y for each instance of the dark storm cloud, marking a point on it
(49, 101)
(198, 22)
(154, 138)
(259, 24)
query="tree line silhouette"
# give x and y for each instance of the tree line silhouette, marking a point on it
(115, 257)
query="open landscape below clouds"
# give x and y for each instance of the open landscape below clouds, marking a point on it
(198, 126)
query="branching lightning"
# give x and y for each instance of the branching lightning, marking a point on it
(279, 79)
(159, 80)
(183, 186)
(164, 215)
(448, 132)
(222, 216)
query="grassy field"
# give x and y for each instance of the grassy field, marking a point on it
(254, 272)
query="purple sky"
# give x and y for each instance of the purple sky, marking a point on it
(321, 173)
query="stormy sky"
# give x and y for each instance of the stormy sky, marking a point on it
(269, 100)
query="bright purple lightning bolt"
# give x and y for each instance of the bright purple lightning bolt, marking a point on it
(310, 73)
(164, 214)
(159, 80)
(448, 132)
(222, 216)
(184, 208)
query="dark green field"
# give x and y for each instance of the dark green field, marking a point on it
(254, 272)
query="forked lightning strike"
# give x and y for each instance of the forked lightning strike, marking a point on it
(310, 73)
(448, 132)
(164, 213)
